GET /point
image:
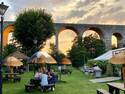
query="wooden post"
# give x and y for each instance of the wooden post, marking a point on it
(123, 71)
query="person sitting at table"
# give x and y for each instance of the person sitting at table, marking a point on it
(44, 78)
(38, 74)
(51, 77)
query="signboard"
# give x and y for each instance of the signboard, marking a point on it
(114, 52)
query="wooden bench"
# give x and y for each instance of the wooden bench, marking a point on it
(115, 88)
(29, 87)
(50, 87)
(14, 79)
(102, 91)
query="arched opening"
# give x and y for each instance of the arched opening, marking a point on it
(7, 34)
(48, 43)
(116, 40)
(95, 32)
(66, 38)
(92, 33)
(10, 37)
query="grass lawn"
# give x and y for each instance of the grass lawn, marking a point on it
(76, 83)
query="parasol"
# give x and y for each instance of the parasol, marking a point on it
(19, 55)
(66, 61)
(119, 59)
(42, 58)
(12, 62)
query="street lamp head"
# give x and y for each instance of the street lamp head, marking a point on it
(3, 8)
(35, 41)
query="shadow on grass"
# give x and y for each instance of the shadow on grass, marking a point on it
(61, 81)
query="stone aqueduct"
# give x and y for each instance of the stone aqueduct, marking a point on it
(105, 31)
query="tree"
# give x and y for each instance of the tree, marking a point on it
(94, 46)
(32, 28)
(8, 49)
(78, 53)
(58, 56)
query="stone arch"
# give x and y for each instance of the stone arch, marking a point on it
(8, 29)
(118, 40)
(95, 29)
(68, 27)
(65, 41)
(48, 43)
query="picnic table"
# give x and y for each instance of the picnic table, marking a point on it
(35, 83)
(11, 76)
(116, 87)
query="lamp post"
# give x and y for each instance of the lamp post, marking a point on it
(35, 42)
(3, 9)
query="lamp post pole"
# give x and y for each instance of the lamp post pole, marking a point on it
(1, 54)
(35, 42)
(3, 9)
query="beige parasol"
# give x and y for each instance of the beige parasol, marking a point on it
(44, 58)
(19, 55)
(119, 59)
(66, 61)
(12, 62)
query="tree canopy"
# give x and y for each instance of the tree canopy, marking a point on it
(8, 49)
(32, 28)
(84, 49)
(78, 53)
(94, 46)
(58, 56)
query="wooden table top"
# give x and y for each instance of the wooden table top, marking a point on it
(10, 73)
(117, 85)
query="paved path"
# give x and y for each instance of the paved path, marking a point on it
(106, 79)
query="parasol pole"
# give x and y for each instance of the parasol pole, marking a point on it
(123, 71)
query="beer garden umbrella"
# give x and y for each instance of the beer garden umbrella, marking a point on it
(65, 61)
(19, 55)
(12, 62)
(119, 59)
(42, 58)
(65, 64)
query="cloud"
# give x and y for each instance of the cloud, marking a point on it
(73, 11)
(99, 11)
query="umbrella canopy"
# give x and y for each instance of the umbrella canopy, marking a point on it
(12, 62)
(118, 58)
(66, 61)
(19, 55)
(42, 58)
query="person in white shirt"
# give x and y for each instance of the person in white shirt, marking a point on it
(38, 74)
(44, 78)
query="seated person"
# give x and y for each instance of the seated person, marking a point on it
(38, 74)
(44, 78)
(44, 82)
(51, 77)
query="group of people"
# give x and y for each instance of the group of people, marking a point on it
(45, 76)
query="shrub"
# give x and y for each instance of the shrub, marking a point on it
(91, 63)
(101, 64)
(107, 68)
